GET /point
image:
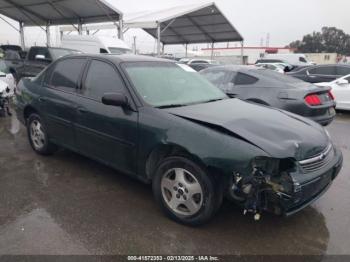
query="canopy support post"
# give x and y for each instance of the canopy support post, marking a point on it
(212, 51)
(163, 47)
(158, 39)
(80, 28)
(242, 52)
(134, 45)
(186, 50)
(48, 35)
(21, 35)
(121, 29)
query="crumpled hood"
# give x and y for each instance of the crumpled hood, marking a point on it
(279, 133)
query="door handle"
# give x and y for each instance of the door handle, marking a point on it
(81, 110)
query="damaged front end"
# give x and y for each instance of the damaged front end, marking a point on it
(268, 182)
(280, 186)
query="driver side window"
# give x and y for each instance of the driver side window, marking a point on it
(101, 78)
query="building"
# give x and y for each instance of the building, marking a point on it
(250, 54)
(323, 58)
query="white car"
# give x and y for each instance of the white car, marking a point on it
(341, 91)
(192, 61)
(7, 77)
(272, 66)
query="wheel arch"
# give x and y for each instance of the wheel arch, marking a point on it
(28, 110)
(167, 150)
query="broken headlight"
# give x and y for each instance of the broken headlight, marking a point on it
(266, 164)
(275, 173)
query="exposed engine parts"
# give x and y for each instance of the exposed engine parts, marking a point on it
(251, 191)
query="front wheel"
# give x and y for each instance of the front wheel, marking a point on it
(185, 191)
(38, 136)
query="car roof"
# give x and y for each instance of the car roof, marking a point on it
(240, 68)
(124, 58)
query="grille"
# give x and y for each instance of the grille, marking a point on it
(317, 162)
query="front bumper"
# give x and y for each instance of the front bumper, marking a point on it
(311, 190)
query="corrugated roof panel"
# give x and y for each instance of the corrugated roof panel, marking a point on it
(201, 23)
(58, 12)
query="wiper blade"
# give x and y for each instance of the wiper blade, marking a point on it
(213, 100)
(170, 106)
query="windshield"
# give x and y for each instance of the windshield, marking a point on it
(119, 51)
(163, 84)
(3, 67)
(59, 52)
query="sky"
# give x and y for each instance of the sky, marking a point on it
(284, 21)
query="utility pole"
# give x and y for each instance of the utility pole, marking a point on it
(267, 39)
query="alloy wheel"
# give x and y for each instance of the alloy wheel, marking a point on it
(37, 135)
(181, 191)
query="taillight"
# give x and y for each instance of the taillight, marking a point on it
(330, 94)
(313, 100)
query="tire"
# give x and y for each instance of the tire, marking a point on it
(185, 191)
(38, 137)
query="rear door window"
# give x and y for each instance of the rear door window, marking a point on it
(323, 70)
(244, 79)
(102, 78)
(66, 74)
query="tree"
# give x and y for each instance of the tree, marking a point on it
(329, 40)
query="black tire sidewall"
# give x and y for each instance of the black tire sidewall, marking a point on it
(209, 203)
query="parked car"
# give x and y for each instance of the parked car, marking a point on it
(149, 118)
(321, 73)
(191, 61)
(274, 89)
(12, 56)
(341, 91)
(38, 58)
(5, 94)
(95, 44)
(272, 66)
(198, 67)
(288, 67)
(16, 48)
(6, 76)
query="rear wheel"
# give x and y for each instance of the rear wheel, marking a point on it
(185, 191)
(38, 136)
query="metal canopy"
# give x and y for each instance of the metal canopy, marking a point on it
(203, 23)
(58, 12)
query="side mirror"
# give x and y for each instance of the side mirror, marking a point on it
(342, 82)
(115, 99)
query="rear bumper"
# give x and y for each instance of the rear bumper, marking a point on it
(324, 119)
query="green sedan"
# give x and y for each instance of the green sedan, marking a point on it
(164, 124)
